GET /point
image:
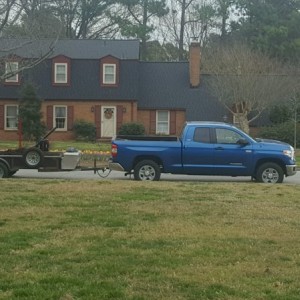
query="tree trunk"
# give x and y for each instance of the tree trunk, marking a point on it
(144, 32)
(181, 34)
(243, 122)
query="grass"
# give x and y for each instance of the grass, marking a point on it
(64, 239)
(61, 145)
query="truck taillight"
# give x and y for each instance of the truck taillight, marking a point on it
(114, 150)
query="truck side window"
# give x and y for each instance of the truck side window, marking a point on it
(201, 135)
(225, 136)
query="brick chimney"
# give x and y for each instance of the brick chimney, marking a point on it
(194, 59)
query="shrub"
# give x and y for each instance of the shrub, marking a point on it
(132, 129)
(84, 131)
(283, 132)
(280, 114)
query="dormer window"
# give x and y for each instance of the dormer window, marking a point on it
(109, 71)
(12, 68)
(109, 74)
(61, 71)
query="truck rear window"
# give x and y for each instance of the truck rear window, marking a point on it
(201, 135)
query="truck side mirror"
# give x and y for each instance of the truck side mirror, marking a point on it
(242, 142)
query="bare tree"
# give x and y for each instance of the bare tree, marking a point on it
(247, 82)
(140, 18)
(9, 12)
(188, 20)
(10, 49)
(87, 18)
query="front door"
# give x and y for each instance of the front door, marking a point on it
(108, 121)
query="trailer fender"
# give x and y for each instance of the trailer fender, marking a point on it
(3, 170)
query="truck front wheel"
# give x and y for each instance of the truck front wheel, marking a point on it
(3, 170)
(269, 173)
(147, 170)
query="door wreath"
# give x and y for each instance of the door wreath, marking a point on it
(108, 113)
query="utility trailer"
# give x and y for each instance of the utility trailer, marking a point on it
(39, 157)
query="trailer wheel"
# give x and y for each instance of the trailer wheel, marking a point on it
(147, 170)
(3, 170)
(33, 157)
(269, 173)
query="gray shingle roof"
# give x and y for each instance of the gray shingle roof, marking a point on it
(166, 85)
(153, 85)
(74, 49)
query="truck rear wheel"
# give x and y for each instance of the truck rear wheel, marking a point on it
(33, 157)
(147, 170)
(3, 170)
(269, 173)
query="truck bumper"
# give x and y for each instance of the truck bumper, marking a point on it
(291, 170)
(115, 167)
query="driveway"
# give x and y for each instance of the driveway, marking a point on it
(114, 175)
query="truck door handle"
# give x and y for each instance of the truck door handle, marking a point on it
(219, 148)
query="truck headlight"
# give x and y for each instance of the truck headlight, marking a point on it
(290, 153)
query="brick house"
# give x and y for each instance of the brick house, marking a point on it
(104, 82)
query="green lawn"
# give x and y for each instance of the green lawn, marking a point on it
(105, 239)
(60, 145)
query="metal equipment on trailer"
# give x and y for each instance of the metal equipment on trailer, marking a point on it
(39, 157)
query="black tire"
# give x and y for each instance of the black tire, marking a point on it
(147, 170)
(3, 170)
(33, 158)
(270, 173)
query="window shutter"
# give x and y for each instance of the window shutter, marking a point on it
(172, 122)
(152, 122)
(1, 117)
(98, 120)
(50, 117)
(119, 116)
(70, 117)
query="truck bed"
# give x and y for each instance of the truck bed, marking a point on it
(146, 138)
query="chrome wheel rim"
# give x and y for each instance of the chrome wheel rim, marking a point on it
(32, 158)
(270, 175)
(147, 172)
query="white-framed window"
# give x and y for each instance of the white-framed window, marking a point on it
(109, 74)
(60, 117)
(60, 73)
(11, 117)
(12, 66)
(163, 122)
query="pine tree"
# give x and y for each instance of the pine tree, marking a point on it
(30, 114)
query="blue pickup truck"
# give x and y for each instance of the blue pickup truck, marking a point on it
(204, 148)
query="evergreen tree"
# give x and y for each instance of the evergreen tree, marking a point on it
(271, 26)
(30, 114)
(138, 19)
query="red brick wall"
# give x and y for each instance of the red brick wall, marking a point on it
(145, 117)
(87, 111)
(80, 111)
